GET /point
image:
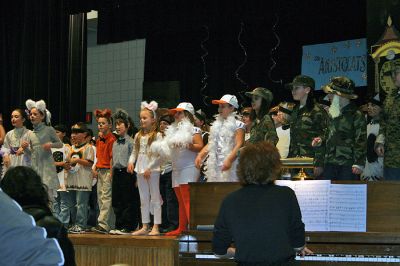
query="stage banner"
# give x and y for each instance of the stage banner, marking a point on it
(327, 60)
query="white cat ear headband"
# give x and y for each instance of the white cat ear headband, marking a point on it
(41, 106)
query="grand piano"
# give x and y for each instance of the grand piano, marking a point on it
(380, 245)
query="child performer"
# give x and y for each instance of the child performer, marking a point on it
(124, 193)
(102, 169)
(263, 128)
(169, 211)
(226, 138)
(42, 139)
(184, 141)
(200, 121)
(60, 161)
(146, 163)
(79, 178)
(60, 155)
(16, 147)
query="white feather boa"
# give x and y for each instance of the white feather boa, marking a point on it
(179, 134)
(160, 147)
(221, 130)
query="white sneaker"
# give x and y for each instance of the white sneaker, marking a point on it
(123, 232)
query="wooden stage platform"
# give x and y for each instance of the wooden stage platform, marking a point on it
(93, 249)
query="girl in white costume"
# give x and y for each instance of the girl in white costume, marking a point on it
(225, 140)
(42, 139)
(184, 141)
(16, 146)
(145, 161)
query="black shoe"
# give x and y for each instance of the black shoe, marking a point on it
(99, 229)
(168, 229)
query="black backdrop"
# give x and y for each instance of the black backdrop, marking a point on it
(43, 49)
(42, 56)
(175, 29)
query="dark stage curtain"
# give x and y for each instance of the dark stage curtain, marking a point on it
(40, 61)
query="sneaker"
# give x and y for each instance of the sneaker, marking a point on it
(76, 229)
(113, 232)
(99, 229)
(124, 231)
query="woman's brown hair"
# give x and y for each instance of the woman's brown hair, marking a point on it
(259, 164)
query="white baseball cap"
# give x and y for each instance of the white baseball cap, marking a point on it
(183, 107)
(227, 98)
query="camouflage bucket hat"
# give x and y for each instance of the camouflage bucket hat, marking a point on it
(301, 80)
(262, 92)
(341, 86)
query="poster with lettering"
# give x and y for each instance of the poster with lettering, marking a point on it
(346, 58)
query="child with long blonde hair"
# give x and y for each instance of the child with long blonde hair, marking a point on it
(146, 163)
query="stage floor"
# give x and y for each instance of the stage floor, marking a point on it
(92, 249)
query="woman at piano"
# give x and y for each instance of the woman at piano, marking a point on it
(262, 219)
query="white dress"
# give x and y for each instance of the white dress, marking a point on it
(178, 136)
(42, 160)
(12, 142)
(144, 158)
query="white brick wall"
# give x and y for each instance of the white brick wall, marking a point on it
(115, 74)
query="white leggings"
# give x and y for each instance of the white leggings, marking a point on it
(150, 198)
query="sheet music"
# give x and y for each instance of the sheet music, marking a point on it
(348, 208)
(330, 207)
(313, 197)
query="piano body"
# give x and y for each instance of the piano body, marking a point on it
(380, 245)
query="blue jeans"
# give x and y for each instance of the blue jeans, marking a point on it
(339, 172)
(56, 206)
(391, 173)
(69, 200)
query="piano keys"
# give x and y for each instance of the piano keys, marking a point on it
(327, 257)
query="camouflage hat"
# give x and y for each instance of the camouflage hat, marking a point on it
(341, 86)
(262, 92)
(302, 80)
